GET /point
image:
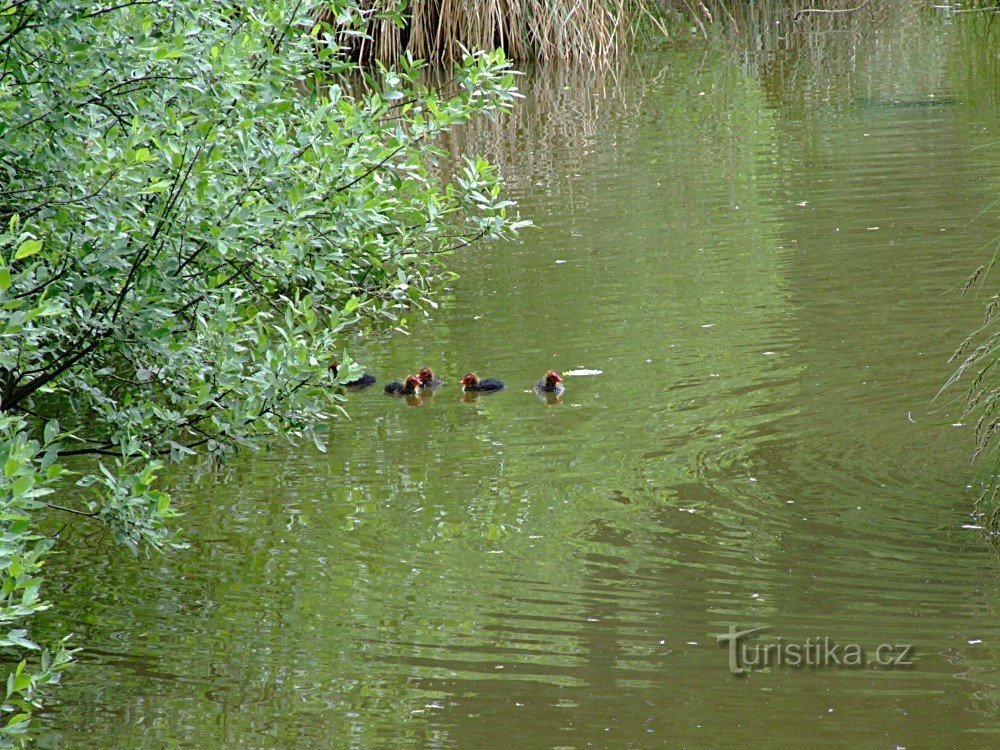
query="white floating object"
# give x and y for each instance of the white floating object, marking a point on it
(768, 354)
(581, 372)
(975, 641)
(560, 262)
(803, 203)
(971, 526)
(708, 325)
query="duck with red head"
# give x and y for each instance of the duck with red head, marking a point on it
(409, 387)
(551, 383)
(472, 384)
(428, 380)
(363, 382)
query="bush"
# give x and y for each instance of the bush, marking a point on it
(193, 212)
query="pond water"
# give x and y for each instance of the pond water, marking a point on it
(764, 258)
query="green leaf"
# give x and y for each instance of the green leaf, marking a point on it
(21, 485)
(51, 430)
(20, 638)
(27, 249)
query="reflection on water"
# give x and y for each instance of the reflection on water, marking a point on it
(764, 267)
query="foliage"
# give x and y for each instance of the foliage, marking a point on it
(193, 212)
(978, 355)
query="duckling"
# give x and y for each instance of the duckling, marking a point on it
(472, 383)
(409, 387)
(551, 383)
(428, 380)
(363, 382)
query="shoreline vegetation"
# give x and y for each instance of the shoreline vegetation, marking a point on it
(978, 355)
(545, 31)
(194, 215)
(526, 30)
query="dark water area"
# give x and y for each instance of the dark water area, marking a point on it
(764, 258)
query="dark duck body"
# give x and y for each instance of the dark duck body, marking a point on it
(428, 380)
(472, 384)
(409, 387)
(363, 382)
(551, 383)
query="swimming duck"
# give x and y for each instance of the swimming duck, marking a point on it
(551, 383)
(409, 387)
(428, 379)
(471, 382)
(363, 382)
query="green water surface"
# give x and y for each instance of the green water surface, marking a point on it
(763, 256)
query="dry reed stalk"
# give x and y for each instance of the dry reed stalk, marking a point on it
(440, 30)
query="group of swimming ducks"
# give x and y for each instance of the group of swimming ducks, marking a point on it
(550, 387)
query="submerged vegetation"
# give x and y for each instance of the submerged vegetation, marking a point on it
(192, 220)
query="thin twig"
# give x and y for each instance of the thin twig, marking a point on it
(92, 514)
(823, 11)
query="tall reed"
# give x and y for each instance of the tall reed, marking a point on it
(439, 30)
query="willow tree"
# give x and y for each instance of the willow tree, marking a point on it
(192, 214)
